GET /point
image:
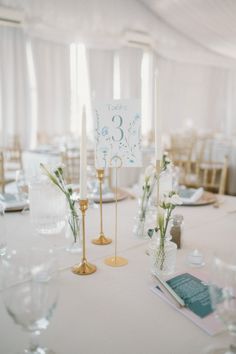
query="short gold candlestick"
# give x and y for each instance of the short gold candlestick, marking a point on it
(102, 239)
(84, 268)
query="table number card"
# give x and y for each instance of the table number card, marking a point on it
(118, 134)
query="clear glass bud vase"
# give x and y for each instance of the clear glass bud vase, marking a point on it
(144, 220)
(163, 256)
(73, 232)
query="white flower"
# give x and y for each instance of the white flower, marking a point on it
(175, 200)
(165, 199)
(150, 170)
(59, 165)
(168, 160)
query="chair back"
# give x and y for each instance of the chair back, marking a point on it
(213, 164)
(213, 175)
(181, 154)
(71, 160)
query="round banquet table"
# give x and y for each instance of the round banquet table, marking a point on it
(114, 311)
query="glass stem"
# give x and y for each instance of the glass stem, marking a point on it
(33, 343)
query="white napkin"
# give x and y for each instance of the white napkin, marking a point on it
(190, 195)
(12, 203)
(105, 197)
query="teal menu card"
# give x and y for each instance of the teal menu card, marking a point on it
(194, 292)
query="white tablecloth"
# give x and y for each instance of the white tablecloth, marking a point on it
(114, 311)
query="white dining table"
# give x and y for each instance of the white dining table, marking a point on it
(114, 311)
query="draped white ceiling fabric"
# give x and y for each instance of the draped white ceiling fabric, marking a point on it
(193, 42)
(210, 23)
(195, 31)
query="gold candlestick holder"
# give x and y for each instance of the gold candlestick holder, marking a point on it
(116, 261)
(102, 239)
(84, 268)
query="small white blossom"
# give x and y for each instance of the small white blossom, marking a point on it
(168, 159)
(149, 174)
(166, 200)
(150, 170)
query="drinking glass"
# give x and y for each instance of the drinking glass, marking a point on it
(22, 185)
(3, 242)
(223, 298)
(30, 292)
(47, 206)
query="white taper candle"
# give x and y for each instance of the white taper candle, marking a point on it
(158, 122)
(83, 157)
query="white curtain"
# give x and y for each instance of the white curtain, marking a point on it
(52, 72)
(130, 72)
(101, 73)
(15, 111)
(34, 87)
(230, 123)
(80, 88)
(193, 95)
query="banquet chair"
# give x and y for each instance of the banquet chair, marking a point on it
(71, 160)
(180, 153)
(12, 157)
(213, 163)
(43, 138)
(3, 179)
(212, 176)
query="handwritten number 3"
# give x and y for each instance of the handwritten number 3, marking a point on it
(118, 120)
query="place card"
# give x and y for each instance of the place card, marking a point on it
(117, 134)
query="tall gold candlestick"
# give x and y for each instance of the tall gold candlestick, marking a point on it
(84, 268)
(116, 261)
(102, 239)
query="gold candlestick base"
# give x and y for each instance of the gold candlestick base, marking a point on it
(84, 268)
(116, 261)
(102, 240)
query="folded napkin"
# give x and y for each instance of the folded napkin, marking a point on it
(12, 202)
(190, 195)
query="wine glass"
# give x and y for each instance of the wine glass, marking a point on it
(30, 291)
(223, 298)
